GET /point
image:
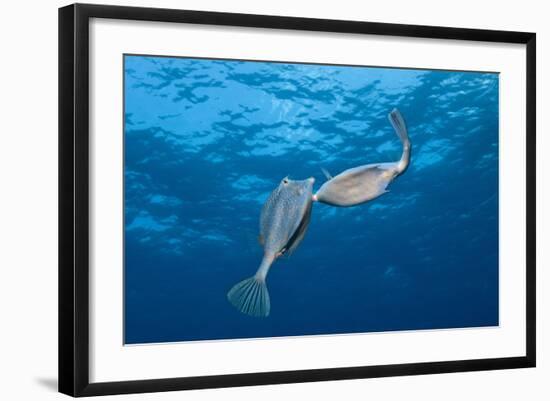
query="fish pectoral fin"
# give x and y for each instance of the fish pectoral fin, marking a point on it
(326, 173)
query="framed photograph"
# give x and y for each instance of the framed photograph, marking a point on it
(251, 199)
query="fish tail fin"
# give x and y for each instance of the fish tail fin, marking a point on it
(398, 124)
(251, 297)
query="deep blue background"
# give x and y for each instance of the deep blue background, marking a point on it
(207, 140)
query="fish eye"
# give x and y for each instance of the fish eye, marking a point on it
(285, 181)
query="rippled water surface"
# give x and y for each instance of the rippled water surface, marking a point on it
(206, 141)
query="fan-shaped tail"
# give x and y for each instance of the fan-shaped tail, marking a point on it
(398, 123)
(250, 296)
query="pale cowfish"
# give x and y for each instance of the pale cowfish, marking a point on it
(283, 223)
(364, 183)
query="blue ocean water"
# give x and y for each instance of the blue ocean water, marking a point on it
(206, 141)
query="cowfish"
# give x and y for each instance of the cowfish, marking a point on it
(284, 221)
(364, 183)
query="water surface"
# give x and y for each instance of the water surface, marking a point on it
(206, 141)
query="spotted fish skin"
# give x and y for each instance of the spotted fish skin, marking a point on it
(284, 221)
(288, 206)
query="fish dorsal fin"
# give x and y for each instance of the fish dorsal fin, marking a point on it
(326, 173)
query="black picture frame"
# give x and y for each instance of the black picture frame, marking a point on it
(74, 198)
